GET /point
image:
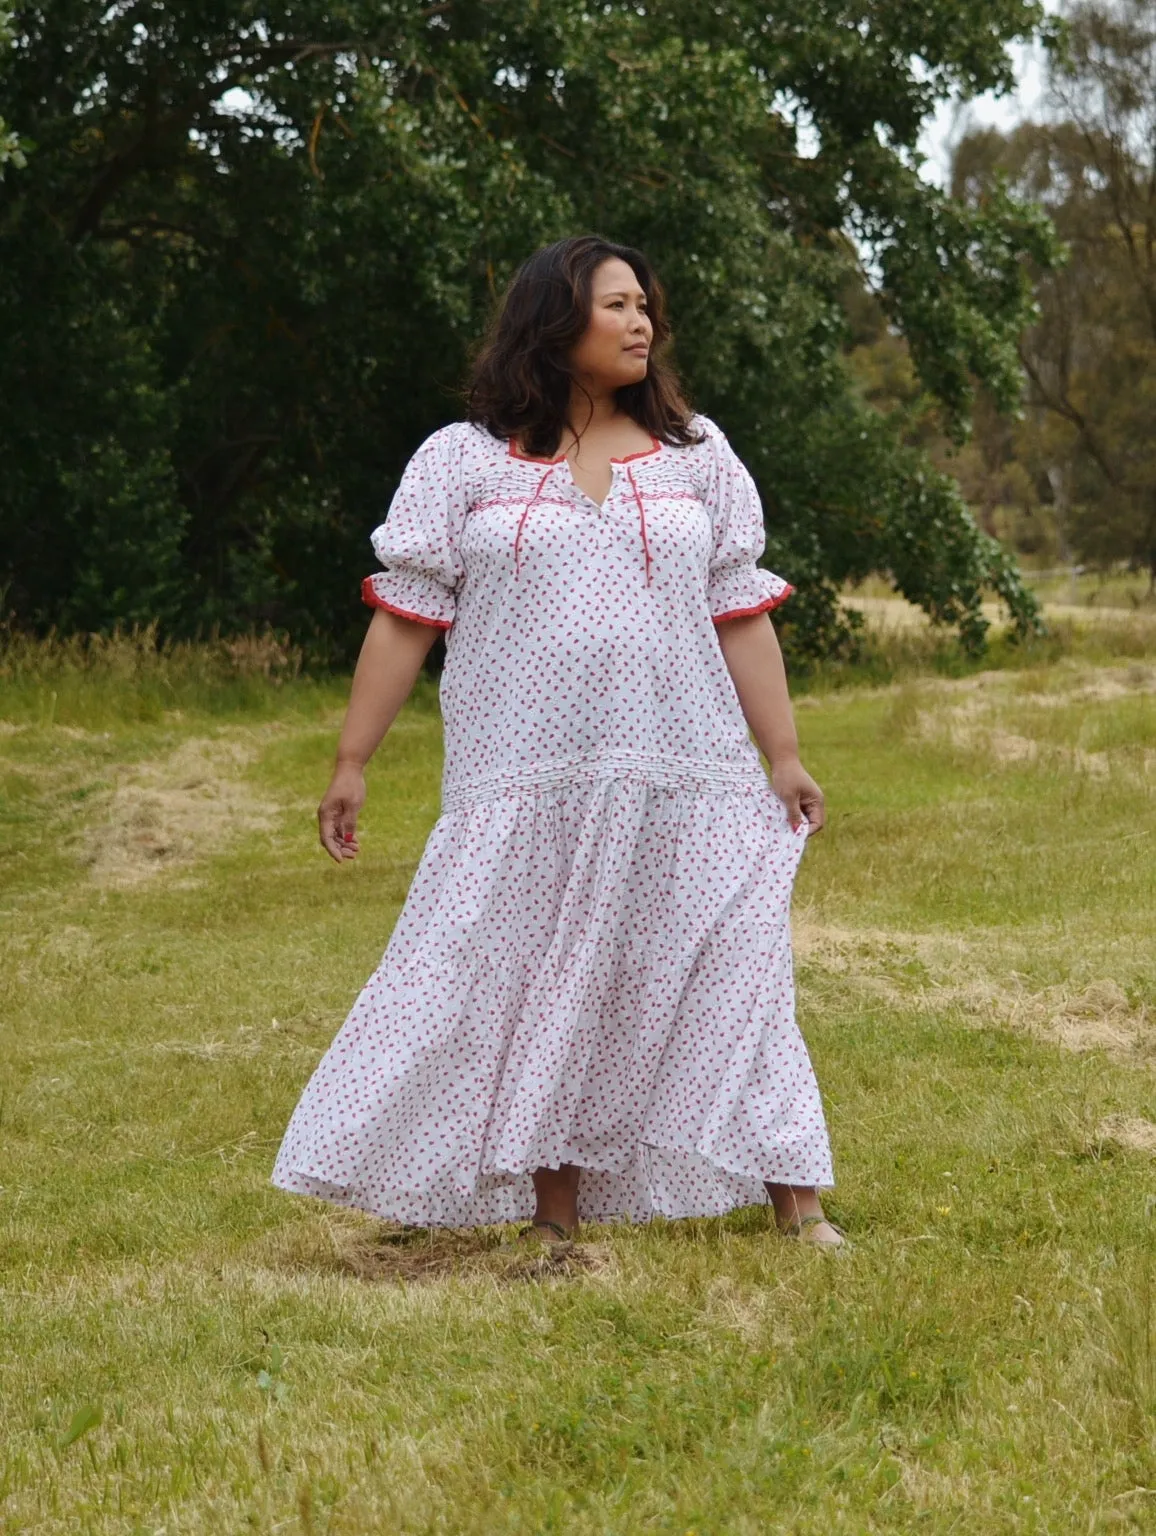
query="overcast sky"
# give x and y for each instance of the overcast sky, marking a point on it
(952, 120)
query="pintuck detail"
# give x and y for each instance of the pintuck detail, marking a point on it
(593, 961)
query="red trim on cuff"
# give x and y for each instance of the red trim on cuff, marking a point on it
(739, 613)
(369, 596)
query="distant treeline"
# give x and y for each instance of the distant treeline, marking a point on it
(1071, 477)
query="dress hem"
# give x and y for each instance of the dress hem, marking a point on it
(292, 1181)
(336, 1196)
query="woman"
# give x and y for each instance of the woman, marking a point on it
(586, 1009)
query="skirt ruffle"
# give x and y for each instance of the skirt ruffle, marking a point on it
(596, 974)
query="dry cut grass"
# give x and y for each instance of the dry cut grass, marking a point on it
(178, 809)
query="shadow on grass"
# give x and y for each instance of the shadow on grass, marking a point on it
(364, 1249)
(347, 1243)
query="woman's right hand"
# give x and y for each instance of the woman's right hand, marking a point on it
(337, 813)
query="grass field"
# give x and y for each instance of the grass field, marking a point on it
(186, 1350)
(1106, 592)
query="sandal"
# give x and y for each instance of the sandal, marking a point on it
(560, 1231)
(795, 1229)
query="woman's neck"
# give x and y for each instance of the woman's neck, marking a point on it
(594, 408)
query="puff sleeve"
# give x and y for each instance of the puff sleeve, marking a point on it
(737, 584)
(417, 543)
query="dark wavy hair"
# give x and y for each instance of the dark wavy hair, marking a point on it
(522, 376)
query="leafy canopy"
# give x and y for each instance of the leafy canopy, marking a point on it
(253, 243)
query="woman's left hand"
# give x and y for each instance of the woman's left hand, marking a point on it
(799, 793)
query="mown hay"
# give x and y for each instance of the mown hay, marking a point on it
(193, 803)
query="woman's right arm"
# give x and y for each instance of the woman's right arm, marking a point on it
(391, 658)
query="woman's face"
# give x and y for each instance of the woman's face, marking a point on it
(614, 348)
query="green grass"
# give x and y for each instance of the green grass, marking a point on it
(187, 1350)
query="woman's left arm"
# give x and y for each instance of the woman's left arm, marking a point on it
(750, 648)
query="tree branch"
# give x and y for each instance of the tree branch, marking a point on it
(123, 166)
(1061, 405)
(134, 228)
(157, 129)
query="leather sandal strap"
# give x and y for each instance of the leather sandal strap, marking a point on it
(558, 1230)
(796, 1227)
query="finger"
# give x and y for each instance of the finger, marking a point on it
(794, 811)
(346, 830)
(816, 814)
(331, 841)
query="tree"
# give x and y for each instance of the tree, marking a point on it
(11, 149)
(1090, 360)
(998, 469)
(259, 239)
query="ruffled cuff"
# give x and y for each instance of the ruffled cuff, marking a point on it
(412, 594)
(746, 589)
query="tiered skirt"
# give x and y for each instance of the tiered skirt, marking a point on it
(597, 972)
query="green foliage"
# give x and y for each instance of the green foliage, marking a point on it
(245, 266)
(12, 151)
(84, 1419)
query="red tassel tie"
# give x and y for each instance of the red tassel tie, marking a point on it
(641, 519)
(532, 503)
(537, 496)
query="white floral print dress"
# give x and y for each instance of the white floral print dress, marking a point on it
(593, 962)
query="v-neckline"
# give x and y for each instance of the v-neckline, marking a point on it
(534, 458)
(582, 491)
